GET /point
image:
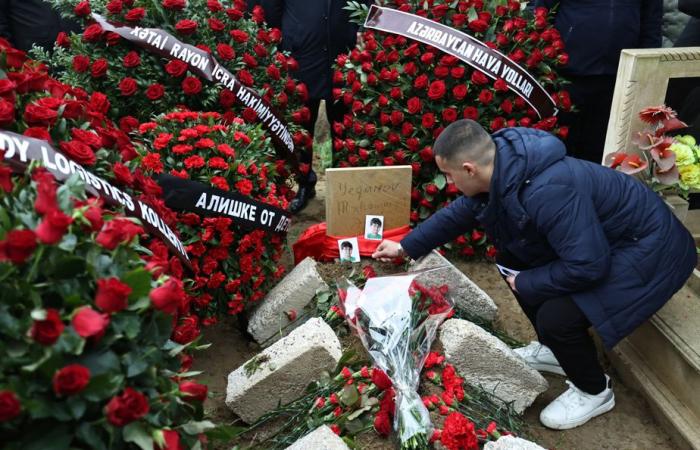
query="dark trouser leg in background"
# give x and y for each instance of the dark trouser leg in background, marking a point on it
(307, 191)
(561, 325)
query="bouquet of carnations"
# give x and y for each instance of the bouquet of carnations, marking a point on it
(396, 319)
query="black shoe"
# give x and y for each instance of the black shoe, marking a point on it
(304, 194)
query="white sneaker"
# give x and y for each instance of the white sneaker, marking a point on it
(540, 357)
(575, 407)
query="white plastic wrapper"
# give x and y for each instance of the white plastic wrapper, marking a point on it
(397, 329)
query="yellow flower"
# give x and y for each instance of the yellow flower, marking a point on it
(684, 154)
(690, 176)
(687, 140)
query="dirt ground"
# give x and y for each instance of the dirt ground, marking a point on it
(630, 426)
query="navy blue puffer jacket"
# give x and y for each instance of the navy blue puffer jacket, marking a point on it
(589, 232)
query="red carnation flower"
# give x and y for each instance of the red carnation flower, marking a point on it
(112, 295)
(458, 433)
(71, 379)
(380, 379)
(127, 407)
(47, 331)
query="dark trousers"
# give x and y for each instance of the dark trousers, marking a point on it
(592, 95)
(562, 326)
(334, 113)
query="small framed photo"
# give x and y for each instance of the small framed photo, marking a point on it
(349, 250)
(374, 227)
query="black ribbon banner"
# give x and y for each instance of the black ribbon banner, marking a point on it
(472, 51)
(206, 66)
(20, 151)
(188, 195)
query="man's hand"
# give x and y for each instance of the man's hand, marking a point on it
(387, 251)
(511, 282)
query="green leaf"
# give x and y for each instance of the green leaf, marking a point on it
(198, 427)
(440, 181)
(103, 386)
(90, 435)
(225, 432)
(128, 324)
(68, 243)
(359, 412)
(136, 433)
(135, 364)
(99, 363)
(32, 367)
(139, 280)
(349, 396)
(70, 342)
(68, 266)
(54, 437)
(472, 14)
(323, 297)
(76, 406)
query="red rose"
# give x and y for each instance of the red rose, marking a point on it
(71, 379)
(17, 246)
(46, 191)
(500, 85)
(6, 178)
(81, 63)
(99, 68)
(115, 6)
(135, 15)
(47, 331)
(216, 25)
(39, 115)
(169, 296)
(380, 379)
(225, 51)
(428, 120)
(87, 322)
(127, 407)
(485, 96)
(186, 26)
(449, 115)
(112, 295)
(193, 391)
(132, 59)
(479, 78)
(174, 4)
(436, 90)
(128, 86)
(176, 68)
(82, 9)
(172, 441)
(9, 406)
(7, 113)
(186, 331)
(92, 33)
(414, 105)
(53, 226)
(239, 36)
(191, 86)
(155, 91)
(79, 152)
(122, 174)
(117, 231)
(382, 423)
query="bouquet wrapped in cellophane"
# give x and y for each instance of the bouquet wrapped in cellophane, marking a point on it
(397, 318)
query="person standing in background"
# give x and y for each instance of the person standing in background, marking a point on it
(315, 32)
(594, 32)
(28, 22)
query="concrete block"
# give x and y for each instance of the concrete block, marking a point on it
(281, 372)
(294, 292)
(484, 360)
(466, 294)
(322, 438)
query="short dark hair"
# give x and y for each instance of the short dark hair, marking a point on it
(375, 221)
(346, 244)
(465, 140)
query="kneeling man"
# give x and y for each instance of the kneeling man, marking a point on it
(590, 246)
